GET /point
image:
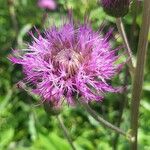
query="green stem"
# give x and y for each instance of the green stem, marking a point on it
(122, 32)
(101, 120)
(139, 72)
(66, 134)
(44, 18)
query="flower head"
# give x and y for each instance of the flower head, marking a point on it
(47, 4)
(68, 61)
(116, 8)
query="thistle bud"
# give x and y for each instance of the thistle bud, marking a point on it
(51, 108)
(47, 4)
(116, 8)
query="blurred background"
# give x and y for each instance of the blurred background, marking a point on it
(23, 123)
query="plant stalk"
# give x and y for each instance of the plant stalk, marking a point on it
(66, 134)
(122, 32)
(101, 120)
(139, 72)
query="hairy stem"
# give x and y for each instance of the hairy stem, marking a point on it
(122, 32)
(101, 120)
(66, 134)
(139, 72)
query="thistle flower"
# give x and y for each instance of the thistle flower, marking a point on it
(47, 4)
(116, 8)
(68, 61)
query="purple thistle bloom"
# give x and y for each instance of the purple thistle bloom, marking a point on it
(116, 8)
(69, 61)
(47, 4)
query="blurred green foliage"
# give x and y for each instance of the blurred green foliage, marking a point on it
(23, 123)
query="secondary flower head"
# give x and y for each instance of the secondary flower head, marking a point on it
(47, 4)
(68, 61)
(116, 8)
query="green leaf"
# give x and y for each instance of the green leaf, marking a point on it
(85, 143)
(32, 128)
(146, 86)
(51, 142)
(59, 143)
(6, 137)
(22, 33)
(104, 146)
(43, 142)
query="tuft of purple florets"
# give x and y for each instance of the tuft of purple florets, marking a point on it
(68, 61)
(47, 4)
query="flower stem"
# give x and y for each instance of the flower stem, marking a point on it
(122, 32)
(101, 120)
(66, 134)
(44, 18)
(139, 72)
